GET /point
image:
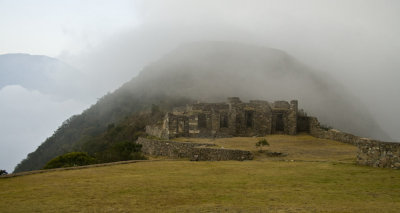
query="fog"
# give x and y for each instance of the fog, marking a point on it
(355, 43)
(28, 118)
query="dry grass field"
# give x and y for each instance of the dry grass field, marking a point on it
(300, 147)
(316, 176)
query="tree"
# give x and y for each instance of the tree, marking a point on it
(121, 151)
(3, 172)
(69, 160)
(261, 143)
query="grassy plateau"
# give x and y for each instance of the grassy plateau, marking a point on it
(316, 176)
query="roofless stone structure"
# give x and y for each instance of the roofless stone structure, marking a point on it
(232, 118)
(256, 118)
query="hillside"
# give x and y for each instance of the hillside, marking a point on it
(212, 71)
(317, 175)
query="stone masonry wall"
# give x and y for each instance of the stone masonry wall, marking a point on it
(379, 154)
(370, 152)
(168, 148)
(214, 154)
(193, 151)
(333, 134)
(292, 118)
(157, 131)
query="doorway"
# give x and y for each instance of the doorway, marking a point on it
(202, 121)
(279, 127)
(249, 116)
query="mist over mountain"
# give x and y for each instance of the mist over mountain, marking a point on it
(36, 94)
(210, 71)
(213, 71)
(44, 74)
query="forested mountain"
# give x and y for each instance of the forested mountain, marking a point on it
(212, 71)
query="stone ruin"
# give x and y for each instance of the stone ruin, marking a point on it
(233, 118)
(257, 118)
(193, 151)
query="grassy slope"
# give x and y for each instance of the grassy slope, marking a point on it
(324, 184)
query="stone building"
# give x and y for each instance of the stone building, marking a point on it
(233, 118)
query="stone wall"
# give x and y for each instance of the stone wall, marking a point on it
(379, 154)
(370, 152)
(333, 134)
(193, 151)
(292, 118)
(157, 131)
(177, 125)
(233, 118)
(303, 124)
(168, 148)
(250, 119)
(214, 154)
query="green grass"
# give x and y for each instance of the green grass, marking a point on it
(261, 185)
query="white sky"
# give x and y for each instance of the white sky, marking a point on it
(49, 27)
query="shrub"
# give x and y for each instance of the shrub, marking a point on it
(3, 172)
(138, 156)
(69, 160)
(124, 150)
(261, 143)
(120, 151)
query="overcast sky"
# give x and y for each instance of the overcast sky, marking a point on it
(356, 41)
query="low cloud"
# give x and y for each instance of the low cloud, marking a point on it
(28, 117)
(355, 42)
